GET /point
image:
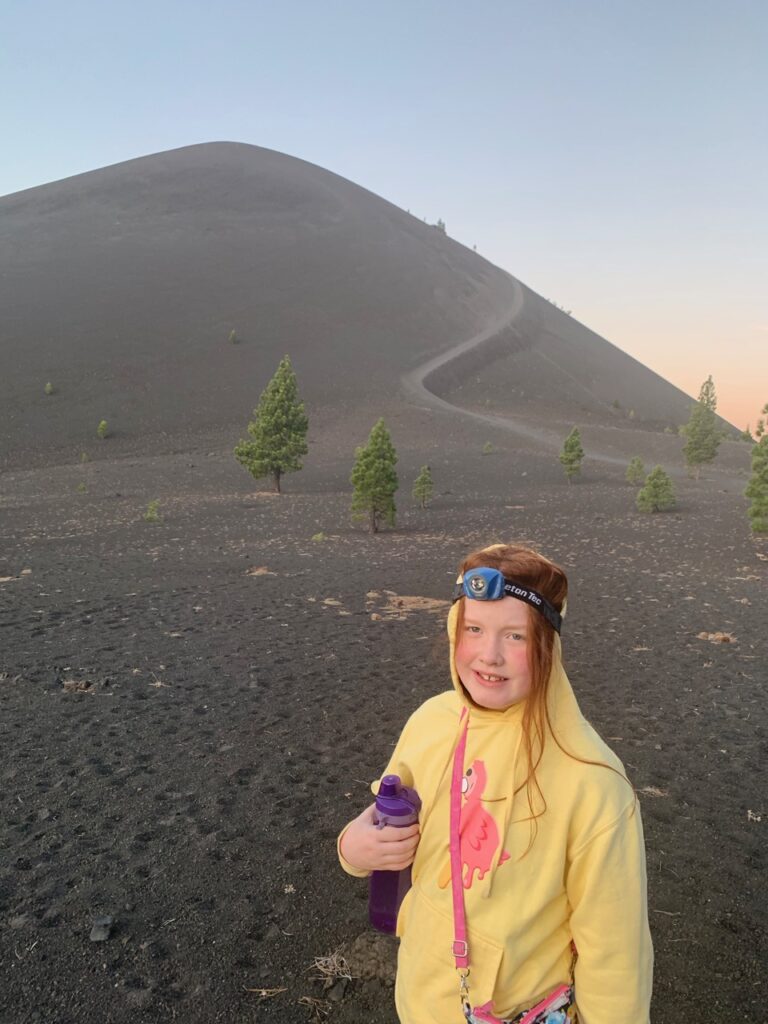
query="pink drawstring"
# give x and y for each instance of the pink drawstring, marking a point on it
(460, 948)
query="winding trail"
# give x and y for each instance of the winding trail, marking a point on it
(413, 383)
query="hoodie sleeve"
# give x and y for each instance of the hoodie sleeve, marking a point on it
(607, 891)
(396, 766)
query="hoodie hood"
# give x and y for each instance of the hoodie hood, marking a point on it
(561, 700)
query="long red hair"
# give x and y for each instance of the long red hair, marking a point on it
(534, 571)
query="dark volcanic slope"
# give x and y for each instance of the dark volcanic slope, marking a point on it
(121, 287)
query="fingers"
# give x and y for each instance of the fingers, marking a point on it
(393, 834)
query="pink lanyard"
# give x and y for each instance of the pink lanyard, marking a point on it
(460, 948)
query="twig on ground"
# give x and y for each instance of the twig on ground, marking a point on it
(332, 966)
(266, 993)
(318, 1008)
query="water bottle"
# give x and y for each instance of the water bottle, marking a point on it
(396, 805)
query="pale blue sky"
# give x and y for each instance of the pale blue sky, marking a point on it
(610, 154)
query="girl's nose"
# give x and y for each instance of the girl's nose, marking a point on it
(492, 654)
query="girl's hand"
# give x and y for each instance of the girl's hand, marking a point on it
(369, 848)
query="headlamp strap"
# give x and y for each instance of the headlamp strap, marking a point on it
(483, 584)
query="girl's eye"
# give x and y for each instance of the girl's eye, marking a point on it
(516, 636)
(472, 629)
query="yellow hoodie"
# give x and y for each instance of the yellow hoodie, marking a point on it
(583, 878)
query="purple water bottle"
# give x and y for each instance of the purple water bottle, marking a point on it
(396, 805)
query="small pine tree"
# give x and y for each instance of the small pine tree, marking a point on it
(746, 435)
(233, 338)
(440, 225)
(49, 389)
(102, 430)
(152, 515)
(374, 479)
(279, 430)
(636, 471)
(572, 454)
(701, 432)
(423, 486)
(487, 448)
(658, 494)
(757, 488)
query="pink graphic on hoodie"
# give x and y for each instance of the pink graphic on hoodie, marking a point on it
(478, 832)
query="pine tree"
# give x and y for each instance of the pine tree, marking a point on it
(102, 430)
(757, 488)
(422, 487)
(701, 432)
(278, 431)
(374, 479)
(572, 454)
(635, 471)
(658, 494)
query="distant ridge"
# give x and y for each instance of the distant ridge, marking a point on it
(121, 286)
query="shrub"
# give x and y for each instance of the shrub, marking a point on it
(102, 430)
(572, 454)
(757, 488)
(152, 515)
(233, 338)
(635, 471)
(319, 537)
(81, 488)
(487, 448)
(658, 494)
(49, 388)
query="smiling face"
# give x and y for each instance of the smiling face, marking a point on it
(492, 652)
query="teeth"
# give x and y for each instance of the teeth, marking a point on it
(491, 679)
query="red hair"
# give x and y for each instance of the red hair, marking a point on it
(532, 570)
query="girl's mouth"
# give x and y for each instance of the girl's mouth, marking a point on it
(488, 679)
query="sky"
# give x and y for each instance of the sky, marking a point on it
(611, 155)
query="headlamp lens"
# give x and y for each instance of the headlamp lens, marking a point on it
(483, 584)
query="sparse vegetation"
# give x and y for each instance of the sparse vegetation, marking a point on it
(152, 515)
(374, 479)
(558, 306)
(84, 456)
(746, 435)
(701, 432)
(318, 538)
(278, 430)
(616, 404)
(572, 454)
(760, 428)
(636, 471)
(49, 388)
(233, 338)
(658, 494)
(757, 488)
(488, 448)
(102, 431)
(440, 225)
(423, 487)
(81, 488)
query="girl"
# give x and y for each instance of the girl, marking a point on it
(528, 901)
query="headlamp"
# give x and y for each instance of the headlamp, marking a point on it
(484, 584)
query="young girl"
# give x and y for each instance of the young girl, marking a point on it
(528, 901)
